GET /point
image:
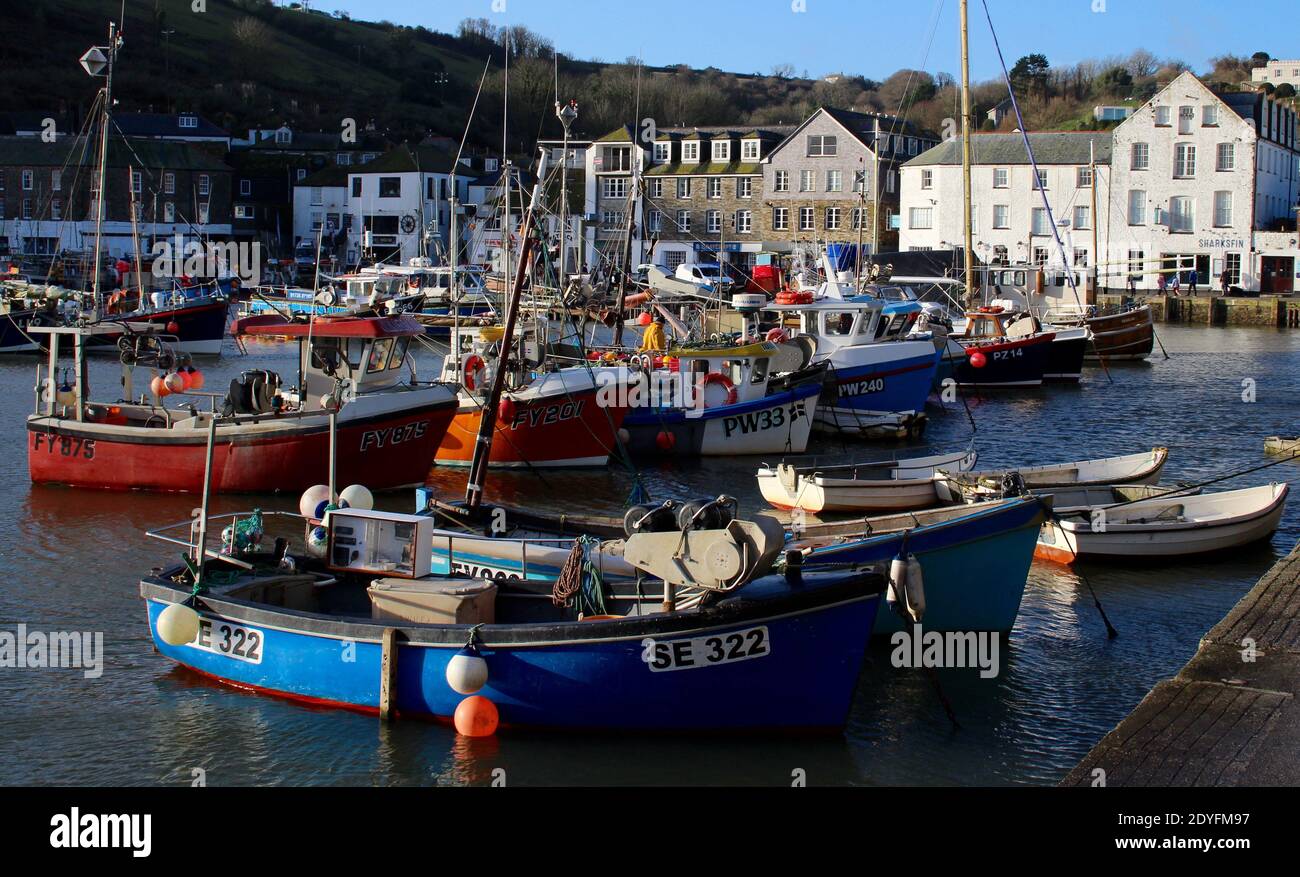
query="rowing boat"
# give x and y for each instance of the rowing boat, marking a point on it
(1165, 526)
(1142, 468)
(879, 486)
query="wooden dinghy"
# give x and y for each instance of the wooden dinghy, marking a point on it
(886, 485)
(1128, 469)
(1166, 526)
(1127, 335)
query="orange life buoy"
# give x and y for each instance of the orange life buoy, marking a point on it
(722, 381)
(777, 335)
(473, 365)
(991, 310)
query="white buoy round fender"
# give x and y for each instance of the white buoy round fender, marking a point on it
(915, 589)
(467, 672)
(313, 501)
(178, 625)
(318, 541)
(358, 497)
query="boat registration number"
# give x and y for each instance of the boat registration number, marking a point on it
(230, 640)
(706, 651)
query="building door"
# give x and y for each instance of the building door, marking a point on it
(1277, 274)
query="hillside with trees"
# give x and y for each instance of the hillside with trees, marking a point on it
(252, 63)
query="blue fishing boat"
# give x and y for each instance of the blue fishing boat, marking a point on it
(997, 539)
(761, 651)
(975, 558)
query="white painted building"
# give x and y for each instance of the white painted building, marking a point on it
(1198, 175)
(1010, 222)
(1278, 72)
(1193, 180)
(321, 201)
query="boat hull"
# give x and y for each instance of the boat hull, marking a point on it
(1066, 355)
(561, 430)
(383, 451)
(975, 566)
(1129, 335)
(1068, 541)
(775, 424)
(199, 329)
(577, 675)
(1007, 364)
(894, 377)
(13, 333)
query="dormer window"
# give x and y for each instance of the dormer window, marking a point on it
(722, 150)
(750, 150)
(691, 151)
(663, 152)
(284, 137)
(189, 121)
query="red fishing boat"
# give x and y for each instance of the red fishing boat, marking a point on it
(356, 389)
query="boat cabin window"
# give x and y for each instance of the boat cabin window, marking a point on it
(758, 374)
(398, 359)
(983, 327)
(379, 355)
(840, 323)
(328, 354)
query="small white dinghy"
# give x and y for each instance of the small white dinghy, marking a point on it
(1174, 525)
(1129, 469)
(884, 486)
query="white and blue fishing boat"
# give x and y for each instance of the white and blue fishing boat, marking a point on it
(879, 371)
(723, 400)
(721, 643)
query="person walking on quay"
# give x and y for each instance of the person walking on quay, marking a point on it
(1224, 279)
(1133, 284)
(1192, 279)
(1160, 283)
(1173, 283)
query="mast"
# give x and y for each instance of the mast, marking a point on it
(488, 420)
(967, 260)
(567, 114)
(1095, 265)
(96, 61)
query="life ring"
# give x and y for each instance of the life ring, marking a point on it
(777, 335)
(722, 381)
(991, 309)
(327, 297)
(789, 297)
(474, 365)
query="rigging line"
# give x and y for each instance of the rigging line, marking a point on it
(1024, 134)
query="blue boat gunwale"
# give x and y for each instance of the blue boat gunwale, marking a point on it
(848, 542)
(801, 599)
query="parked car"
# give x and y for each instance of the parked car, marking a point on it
(707, 274)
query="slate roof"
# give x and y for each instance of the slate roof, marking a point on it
(74, 152)
(1050, 147)
(164, 125)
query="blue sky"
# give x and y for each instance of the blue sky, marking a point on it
(872, 38)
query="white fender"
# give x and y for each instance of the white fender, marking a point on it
(915, 589)
(897, 582)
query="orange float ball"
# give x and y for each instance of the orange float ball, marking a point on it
(476, 717)
(979, 360)
(645, 319)
(666, 440)
(159, 387)
(196, 379)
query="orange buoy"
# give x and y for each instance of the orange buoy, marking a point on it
(476, 716)
(978, 360)
(666, 440)
(645, 319)
(158, 387)
(506, 411)
(196, 378)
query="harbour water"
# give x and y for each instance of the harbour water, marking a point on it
(70, 561)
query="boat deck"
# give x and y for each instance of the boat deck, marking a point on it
(1222, 721)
